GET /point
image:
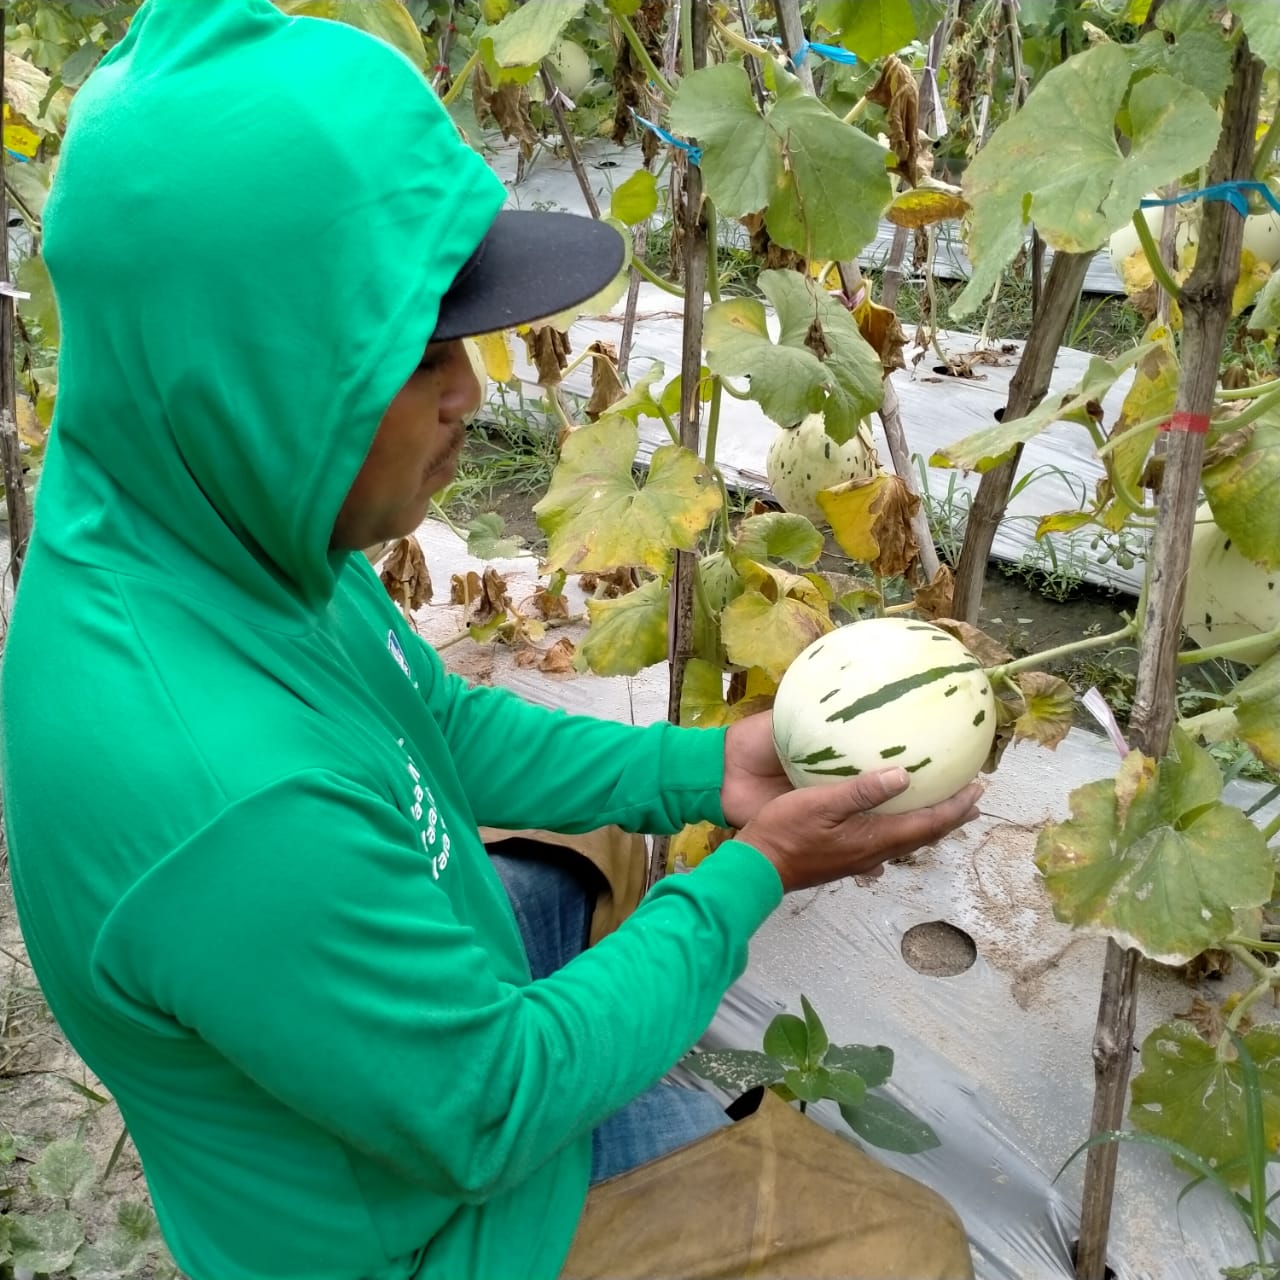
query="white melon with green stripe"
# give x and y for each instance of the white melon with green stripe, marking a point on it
(1229, 597)
(804, 460)
(884, 692)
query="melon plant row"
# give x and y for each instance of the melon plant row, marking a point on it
(1154, 858)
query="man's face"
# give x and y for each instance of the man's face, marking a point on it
(415, 452)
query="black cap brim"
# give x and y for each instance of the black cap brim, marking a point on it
(529, 266)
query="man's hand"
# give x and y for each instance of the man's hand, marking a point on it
(821, 834)
(752, 772)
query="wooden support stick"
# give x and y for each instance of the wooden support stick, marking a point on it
(1206, 312)
(692, 212)
(1026, 390)
(556, 103)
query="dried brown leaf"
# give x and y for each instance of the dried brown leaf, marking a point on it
(507, 105)
(406, 577)
(871, 520)
(1007, 712)
(548, 351)
(897, 92)
(549, 604)
(816, 340)
(608, 586)
(558, 660)
(1229, 444)
(988, 650)
(880, 327)
(606, 387)
(922, 206)
(630, 79)
(935, 599)
(764, 250)
(485, 597)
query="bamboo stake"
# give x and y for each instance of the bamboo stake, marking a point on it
(1028, 388)
(692, 211)
(15, 491)
(1206, 312)
(555, 100)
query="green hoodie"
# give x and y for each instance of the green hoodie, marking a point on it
(242, 796)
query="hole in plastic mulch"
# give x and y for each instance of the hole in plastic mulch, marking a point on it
(938, 949)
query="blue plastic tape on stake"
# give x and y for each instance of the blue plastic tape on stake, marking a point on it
(832, 53)
(694, 153)
(1232, 193)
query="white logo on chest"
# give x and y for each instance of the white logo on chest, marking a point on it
(393, 646)
(431, 826)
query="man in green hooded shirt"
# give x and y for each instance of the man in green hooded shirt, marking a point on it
(243, 798)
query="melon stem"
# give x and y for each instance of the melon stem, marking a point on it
(1127, 632)
(1229, 647)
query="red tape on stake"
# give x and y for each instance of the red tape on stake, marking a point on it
(1197, 424)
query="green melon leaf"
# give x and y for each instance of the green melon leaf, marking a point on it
(778, 535)
(1091, 188)
(885, 1124)
(118, 1258)
(741, 160)
(639, 402)
(44, 1242)
(735, 1070)
(1186, 1093)
(1266, 306)
(808, 1085)
(597, 518)
(846, 1088)
(629, 633)
(389, 20)
(485, 538)
(1244, 493)
(41, 307)
(822, 183)
(721, 582)
(1261, 22)
(1198, 55)
(872, 1063)
(834, 184)
(636, 199)
(872, 28)
(528, 34)
(992, 445)
(787, 1039)
(820, 363)
(1251, 714)
(1150, 397)
(64, 1171)
(1154, 859)
(135, 1221)
(787, 382)
(702, 693)
(769, 634)
(1256, 701)
(818, 1040)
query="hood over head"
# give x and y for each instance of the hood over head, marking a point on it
(252, 225)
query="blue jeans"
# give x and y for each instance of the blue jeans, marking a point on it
(553, 901)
